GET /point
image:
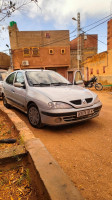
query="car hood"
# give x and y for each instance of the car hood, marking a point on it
(64, 93)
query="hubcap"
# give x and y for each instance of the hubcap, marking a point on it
(33, 116)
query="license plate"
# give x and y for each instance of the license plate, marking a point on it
(85, 112)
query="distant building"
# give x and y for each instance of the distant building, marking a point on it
(40, 49)
(88, 46)
(4, 61)
(109, 35)
(100, 64)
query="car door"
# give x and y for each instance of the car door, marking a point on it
(20, 91)
(8, 88)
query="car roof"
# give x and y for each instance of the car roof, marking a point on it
(32, 70)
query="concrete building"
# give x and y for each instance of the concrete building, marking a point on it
(88, 48)
(4, 61)
(40, 49)
(100, 65)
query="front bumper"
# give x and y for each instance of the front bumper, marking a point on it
(1, 92)
(60, 118)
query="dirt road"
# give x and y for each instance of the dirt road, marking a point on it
(84, 151)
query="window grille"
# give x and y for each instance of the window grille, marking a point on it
(47, 35)
(26, 52)
(35, 51)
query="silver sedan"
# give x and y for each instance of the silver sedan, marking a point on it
(49, 98)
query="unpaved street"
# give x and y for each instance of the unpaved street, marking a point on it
(84, 150)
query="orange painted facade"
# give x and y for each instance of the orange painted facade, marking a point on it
(100, 64)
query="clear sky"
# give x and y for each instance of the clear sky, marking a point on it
(57, 15)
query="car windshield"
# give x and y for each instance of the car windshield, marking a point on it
(45, 78)
(2, 75)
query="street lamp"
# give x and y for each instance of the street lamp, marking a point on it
(78, 38)
(74, 18)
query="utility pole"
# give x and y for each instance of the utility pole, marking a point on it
(11, 61)
(78, 41)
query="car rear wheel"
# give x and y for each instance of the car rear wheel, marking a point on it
(5, 102)
(34, 116)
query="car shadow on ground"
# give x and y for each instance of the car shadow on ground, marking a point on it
(65, 129)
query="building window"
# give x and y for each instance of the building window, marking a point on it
(91, 71)
(51, 51)
(35, 51)
(62, 51)
(47, 35)
(103, 69)
(26, 52)
(97, 71)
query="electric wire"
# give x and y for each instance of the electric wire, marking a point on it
(83, 31)
(96, 21)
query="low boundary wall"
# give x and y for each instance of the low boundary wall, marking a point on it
(54, 183)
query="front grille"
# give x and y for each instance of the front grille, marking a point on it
(89, 100)
(76, 102)
(79, 101)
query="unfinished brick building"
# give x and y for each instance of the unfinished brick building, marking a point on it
(4, 61)
(40, 49)
(109, 35)
(88, 49)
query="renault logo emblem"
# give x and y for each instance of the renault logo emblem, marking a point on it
(84, 101)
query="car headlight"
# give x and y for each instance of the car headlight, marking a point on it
(96, 100)
(59, 105)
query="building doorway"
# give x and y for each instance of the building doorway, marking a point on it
(70, 76)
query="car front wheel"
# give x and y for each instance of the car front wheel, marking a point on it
(34, 116)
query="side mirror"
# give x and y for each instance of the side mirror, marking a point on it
(19, 85)
(78, 78)
(79, 82)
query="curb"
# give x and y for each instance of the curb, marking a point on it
(49, 174)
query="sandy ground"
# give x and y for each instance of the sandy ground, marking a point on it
(84, 150)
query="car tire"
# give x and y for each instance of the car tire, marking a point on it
(34, 116)
(5, 102)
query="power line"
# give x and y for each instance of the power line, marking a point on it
(97, 25)
(59, 39)
(97, 21)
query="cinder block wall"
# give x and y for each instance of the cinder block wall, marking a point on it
(4, 61)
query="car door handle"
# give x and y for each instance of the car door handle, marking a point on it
(12, 91)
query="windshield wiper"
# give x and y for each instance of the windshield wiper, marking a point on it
(41, 84)
(59, 83)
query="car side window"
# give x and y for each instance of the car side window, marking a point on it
(19, 78)
(10, 79)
